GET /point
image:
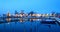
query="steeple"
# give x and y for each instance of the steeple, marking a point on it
(8, 14)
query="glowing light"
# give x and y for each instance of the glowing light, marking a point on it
(38, 14)
(34, 19)
(21, 20)
(16, 15)
(43, 15)
(8, 19)
(47, 15)
(31, 19)
(8, 14)
(21, 15)
(34, 15)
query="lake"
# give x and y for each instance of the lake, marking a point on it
(28, 26)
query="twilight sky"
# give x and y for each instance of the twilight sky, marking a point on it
(39, 6)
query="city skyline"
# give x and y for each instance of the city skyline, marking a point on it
(29, 15)
(35, 12)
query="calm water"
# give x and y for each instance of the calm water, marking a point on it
(28, 26)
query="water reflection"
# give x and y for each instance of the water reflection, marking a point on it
(28, 25)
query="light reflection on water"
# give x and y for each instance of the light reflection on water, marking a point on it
(28, 26)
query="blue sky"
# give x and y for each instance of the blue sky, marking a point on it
(39, 6)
